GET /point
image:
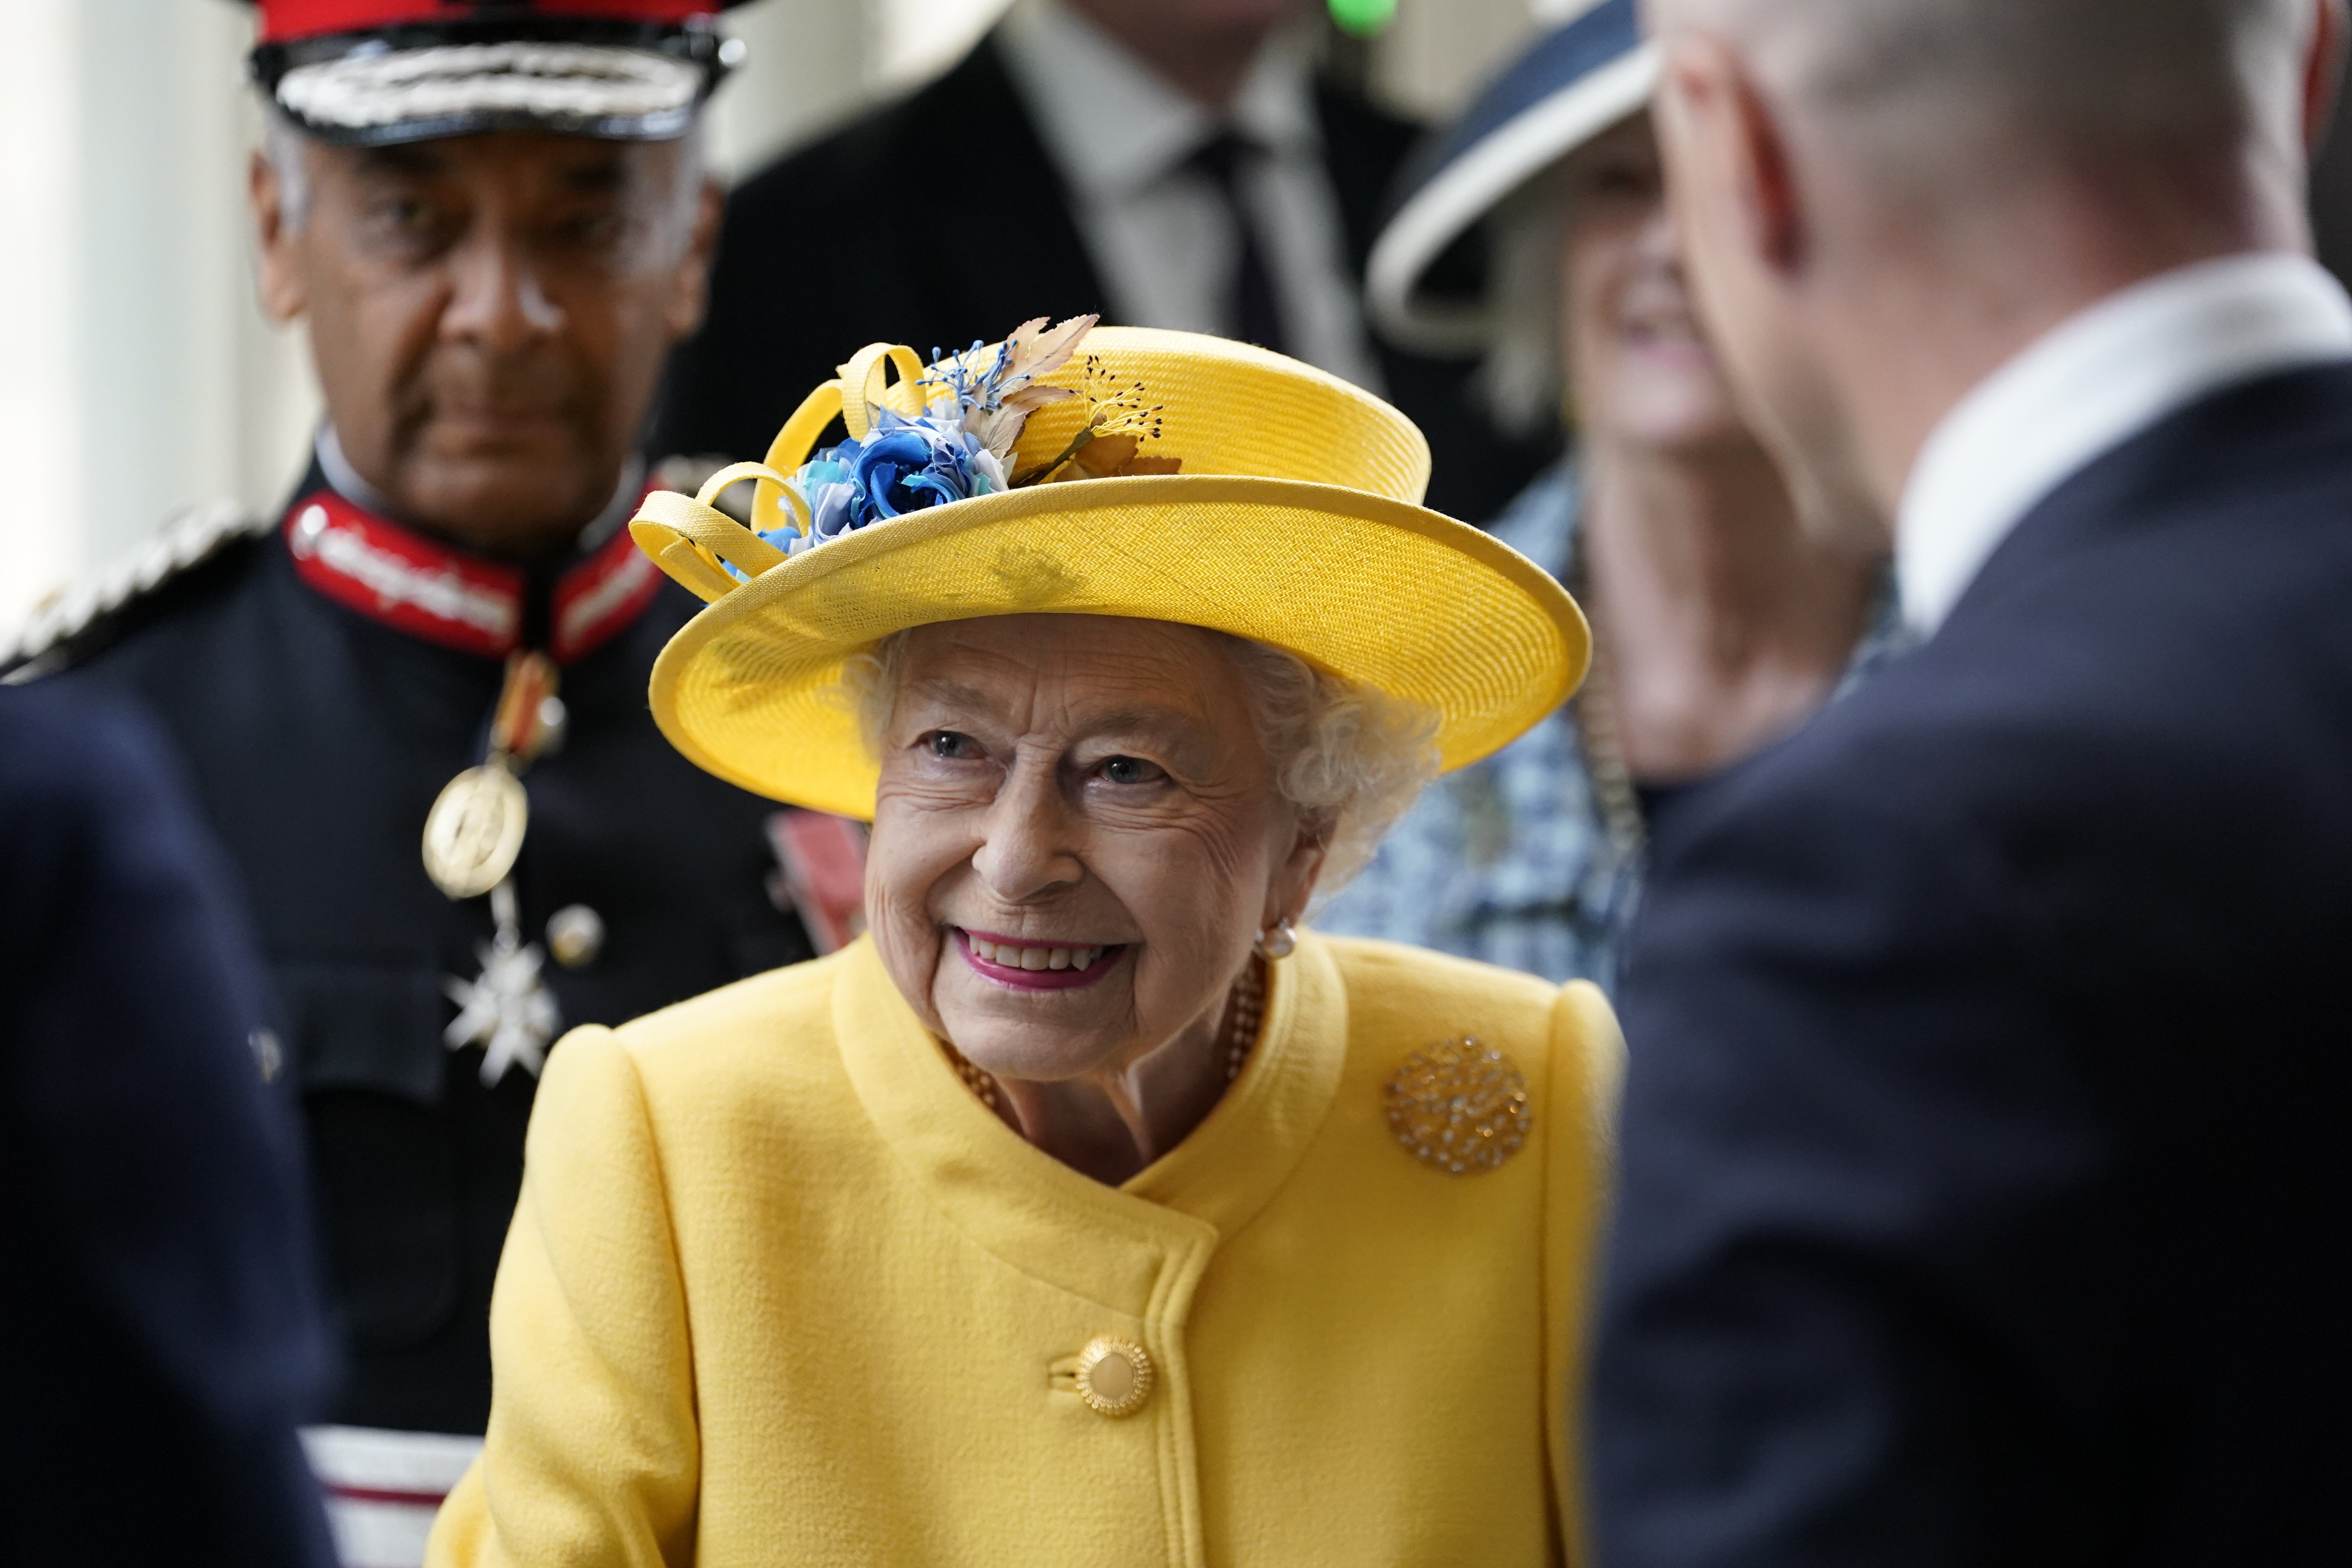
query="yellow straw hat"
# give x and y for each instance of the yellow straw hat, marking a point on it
(1251, 494)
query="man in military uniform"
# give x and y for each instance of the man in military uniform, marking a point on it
(493, 220)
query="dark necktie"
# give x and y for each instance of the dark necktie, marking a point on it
(1254, 312)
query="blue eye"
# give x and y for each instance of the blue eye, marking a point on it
(950, 746)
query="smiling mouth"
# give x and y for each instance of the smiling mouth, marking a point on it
(1035, 967)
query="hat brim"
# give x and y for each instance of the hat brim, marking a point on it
(1375, 591)
(414, 84)
(1470, 185)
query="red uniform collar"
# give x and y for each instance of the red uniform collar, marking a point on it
(442, 595)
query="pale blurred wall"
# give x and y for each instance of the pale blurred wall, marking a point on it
(137, 373)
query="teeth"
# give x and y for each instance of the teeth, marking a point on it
(1033, 958)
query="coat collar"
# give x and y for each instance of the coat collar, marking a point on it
(2085, 389)
(1125, 1246)
(346, 550)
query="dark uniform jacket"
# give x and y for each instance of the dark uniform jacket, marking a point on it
(1986, 1166)
(795, 291)
(318, 730)
(159, 1328)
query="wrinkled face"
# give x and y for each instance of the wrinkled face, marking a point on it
(489, 315)
(1076, 839)
(1640, 368)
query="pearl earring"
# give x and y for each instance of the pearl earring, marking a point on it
(1278, 942)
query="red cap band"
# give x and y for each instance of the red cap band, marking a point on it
(286, 20)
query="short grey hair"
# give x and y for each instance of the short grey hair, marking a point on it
(288, 149)
(1349, 759)
(2104, 72)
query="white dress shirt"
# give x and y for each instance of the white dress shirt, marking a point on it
(2088, 385)
(1161, 235)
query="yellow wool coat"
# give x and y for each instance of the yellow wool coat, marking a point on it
(780, 1290)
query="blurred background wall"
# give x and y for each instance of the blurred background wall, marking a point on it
(138, 374)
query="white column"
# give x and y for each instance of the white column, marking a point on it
(40, 384)
(137, 373)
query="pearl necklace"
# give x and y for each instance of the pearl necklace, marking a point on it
(1244, 1011)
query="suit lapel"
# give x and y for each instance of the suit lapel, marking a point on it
(1019, 253)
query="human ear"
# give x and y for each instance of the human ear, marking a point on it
(1728, 166)
(1292, 885)
(279, 275)
(2322, 71)
(690, 287)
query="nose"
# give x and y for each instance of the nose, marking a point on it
(1661, 240)
(1025, 848)
(497, 299)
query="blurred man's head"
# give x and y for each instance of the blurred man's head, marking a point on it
(488, 314)
(1203, 46)
(1881, 200)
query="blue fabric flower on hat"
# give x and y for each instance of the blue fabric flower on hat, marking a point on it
(901, 466)
(907, 465)
(957, 449)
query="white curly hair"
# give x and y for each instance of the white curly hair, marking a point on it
(1350, 760)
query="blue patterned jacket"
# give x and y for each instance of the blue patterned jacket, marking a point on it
(1509, 860)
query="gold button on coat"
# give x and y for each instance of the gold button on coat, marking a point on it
(1114, 1376)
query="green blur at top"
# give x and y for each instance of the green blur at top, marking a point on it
(1362, 18)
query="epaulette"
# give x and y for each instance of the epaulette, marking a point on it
(188, 538)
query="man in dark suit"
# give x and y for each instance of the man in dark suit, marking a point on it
(159, 1332)
(1986, 1166)
(1166, 162)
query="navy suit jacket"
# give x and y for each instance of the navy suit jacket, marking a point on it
(1988, 1183)
(159, 1330)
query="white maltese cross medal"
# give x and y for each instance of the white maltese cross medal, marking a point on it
(507, 1011)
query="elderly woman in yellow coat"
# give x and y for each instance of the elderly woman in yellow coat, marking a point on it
(1084, 1211)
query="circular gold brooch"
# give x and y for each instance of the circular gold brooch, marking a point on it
(1459, 1106)
(1114, 1376)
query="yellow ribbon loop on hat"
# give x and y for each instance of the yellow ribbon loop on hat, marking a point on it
(691, 567)
(862, 388)
(787, 452)
(773, 486)
(689, 540)
(717, 483)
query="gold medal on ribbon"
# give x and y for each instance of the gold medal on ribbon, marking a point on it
(475, 830)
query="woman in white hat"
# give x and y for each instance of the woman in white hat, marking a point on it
(1719, 625)
(1086, 1211)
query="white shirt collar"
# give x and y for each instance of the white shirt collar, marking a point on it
(2088, 385)
(1115, 125)
(346, 482)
